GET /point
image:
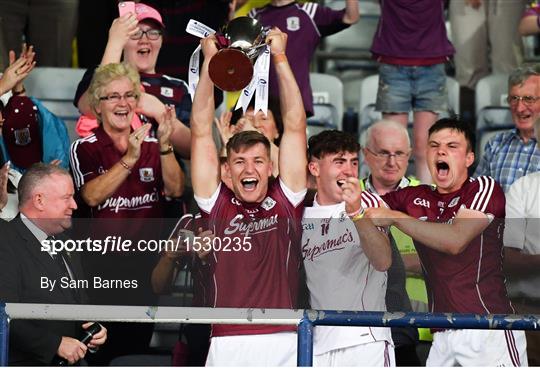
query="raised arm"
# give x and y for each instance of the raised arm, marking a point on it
(351, 12)
(205, 170)
(149, 105)
(375, 243)
(292, 149)
(18, 69)
(172, 174)
(121, 29)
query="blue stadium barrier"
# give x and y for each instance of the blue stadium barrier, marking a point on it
(399, 319)
(305, 320)
(4, 335)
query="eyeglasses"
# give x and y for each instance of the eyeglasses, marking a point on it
(151, 34)
(527, 100)
(114, 98)
(385, 155)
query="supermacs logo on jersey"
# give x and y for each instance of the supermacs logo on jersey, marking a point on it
(119, 203)
(251, 226)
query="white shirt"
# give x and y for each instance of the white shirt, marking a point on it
(522, 229)
(11, 208)
(340, 277)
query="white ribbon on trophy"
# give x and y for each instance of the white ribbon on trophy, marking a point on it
(200, 30)
(258, 84)
(262, 71)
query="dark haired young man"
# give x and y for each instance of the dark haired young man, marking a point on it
(457, 228)
(262, 217)
(345, 256)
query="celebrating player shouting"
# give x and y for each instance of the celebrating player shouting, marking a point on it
(457, 231)
(263, 217)
(345, 256)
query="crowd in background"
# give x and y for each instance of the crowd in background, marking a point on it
(137, 167)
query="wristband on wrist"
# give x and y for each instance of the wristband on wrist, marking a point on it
(125, 165)
(166, 151)
(280, 58)
(356, 215)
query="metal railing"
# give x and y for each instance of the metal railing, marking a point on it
(306, 320)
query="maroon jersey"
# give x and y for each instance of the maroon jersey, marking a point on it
(139, 196)
(472, 281)
(134, 211)
(263, 274)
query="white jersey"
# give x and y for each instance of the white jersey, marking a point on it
(340, 277)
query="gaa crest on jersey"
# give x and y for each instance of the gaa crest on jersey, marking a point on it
(22, 136)
(293, 23)
(421, 202)
(453, 202)
(167, 92)
(268, 203)
(146, 174)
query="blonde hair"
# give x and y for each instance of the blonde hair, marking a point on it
(104, 75)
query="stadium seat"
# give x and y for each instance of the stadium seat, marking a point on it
(492, 112)
(355, 40)
(324, 117)
(491, 91)
(327, 90)
(56, 87)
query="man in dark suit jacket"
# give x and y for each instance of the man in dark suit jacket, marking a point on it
(46, 204)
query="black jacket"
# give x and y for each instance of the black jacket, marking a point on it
(22, 265)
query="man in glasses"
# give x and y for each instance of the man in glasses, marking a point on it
(387, 149)
(513, 154)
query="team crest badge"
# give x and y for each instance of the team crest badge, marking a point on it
(146, 174)
(167, 92)
(268, 203)
(453, 202)
(293, 23)
(22, 137)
